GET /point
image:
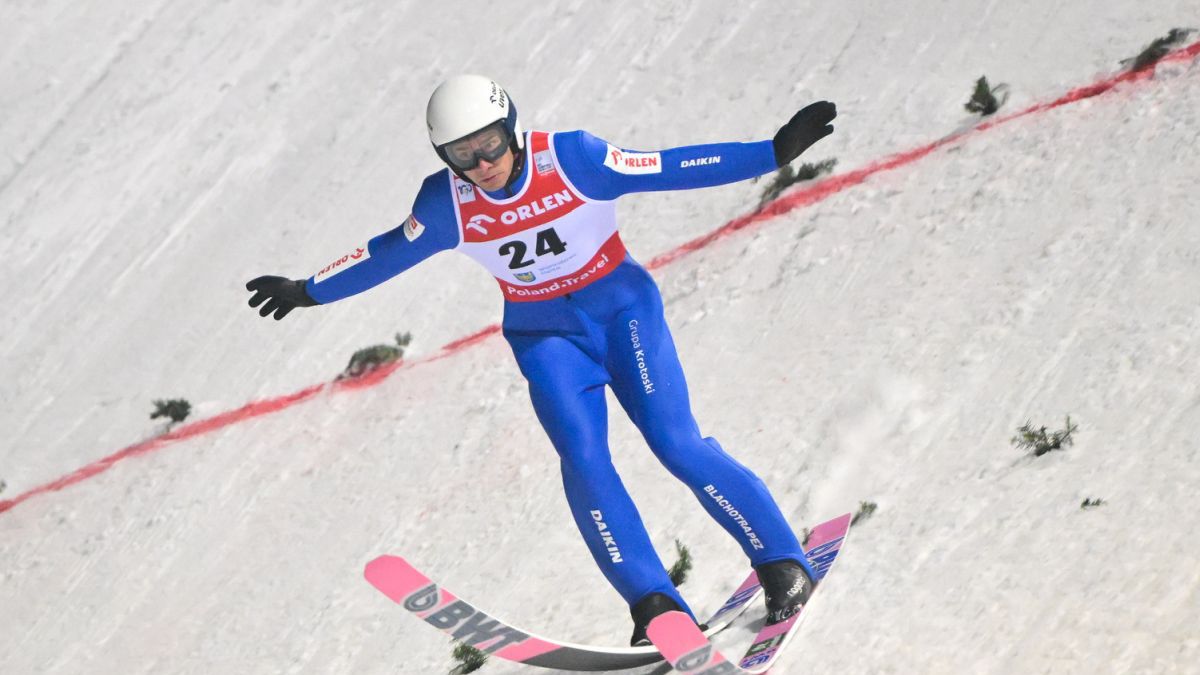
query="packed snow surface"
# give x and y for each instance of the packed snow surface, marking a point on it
(882, 345)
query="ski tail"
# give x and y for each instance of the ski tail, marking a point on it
(408, 587)
(412, 590)
(685, 647)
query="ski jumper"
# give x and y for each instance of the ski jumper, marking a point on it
(580, 314)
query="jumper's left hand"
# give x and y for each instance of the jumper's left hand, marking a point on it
(806, 127)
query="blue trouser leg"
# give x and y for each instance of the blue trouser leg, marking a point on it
(613, 333)
(648, 380)
(566, 385)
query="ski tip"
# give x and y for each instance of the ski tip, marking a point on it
(383, 565)
(392, 575)
(830, 529)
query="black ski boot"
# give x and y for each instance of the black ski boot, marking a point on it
(644, 612)
(786, 586)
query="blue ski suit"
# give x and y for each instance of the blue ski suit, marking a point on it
(581, 314)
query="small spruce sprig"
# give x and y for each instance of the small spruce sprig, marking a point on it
(177, 409)
(986, 99)
(683, 564)
(1154, 51)
(788, 176)
(369, 358)
(865, 510)
(467, 659)
(1040, 441)
(1090, 503)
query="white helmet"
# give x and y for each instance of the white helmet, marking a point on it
(465, 104)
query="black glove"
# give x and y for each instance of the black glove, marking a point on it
(282, 295)
(806, 127)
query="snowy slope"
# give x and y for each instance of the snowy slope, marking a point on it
(881, 345)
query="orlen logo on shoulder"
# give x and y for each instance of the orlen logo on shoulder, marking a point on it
(342, 264)
(632, 162)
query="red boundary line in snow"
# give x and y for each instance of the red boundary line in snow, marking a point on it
(788, 202)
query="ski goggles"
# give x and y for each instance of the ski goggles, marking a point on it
(489, 143)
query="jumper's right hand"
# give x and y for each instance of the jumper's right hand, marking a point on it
(282, 295)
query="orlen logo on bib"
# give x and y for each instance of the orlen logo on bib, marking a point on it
(342, 264)
(632, 162)
(536, 207)
(479, 222)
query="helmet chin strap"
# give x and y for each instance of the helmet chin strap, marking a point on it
(517, 167)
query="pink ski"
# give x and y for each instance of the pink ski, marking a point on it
(411, 589)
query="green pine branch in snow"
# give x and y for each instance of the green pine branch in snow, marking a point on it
(467, 659)
(1154, 51)
(986, 99)
(177, 409)
(787, 177)
(368, 359)
(683, 565)
(1040, 441)
(865, 510)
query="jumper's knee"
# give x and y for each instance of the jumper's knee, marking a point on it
(681, 451)
(585, 459)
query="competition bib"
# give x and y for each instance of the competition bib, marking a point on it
(548, 240)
